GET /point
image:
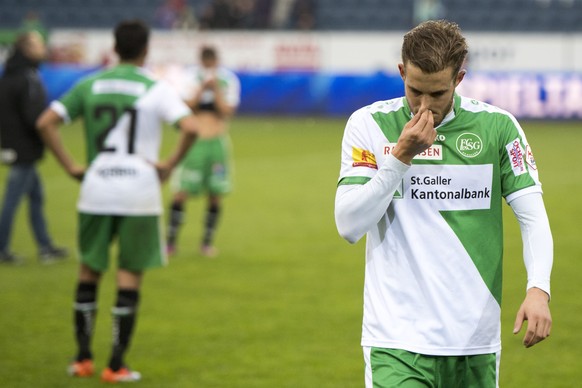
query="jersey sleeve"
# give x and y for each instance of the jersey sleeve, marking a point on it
(358, 162)
(70, 106)
(232, 92)
(171, 107)
(519, 175)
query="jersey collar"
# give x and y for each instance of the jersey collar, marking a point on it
(449, 117)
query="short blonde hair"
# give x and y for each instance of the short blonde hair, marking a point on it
(435, 45)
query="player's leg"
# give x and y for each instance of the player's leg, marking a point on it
(124, 317)
(94, 236)
(140, 248)
(186, 181)
(210, 223)
(85, 313)
(218, 184)
(176, 219)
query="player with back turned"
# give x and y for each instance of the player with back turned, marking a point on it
(123, 109)
(423, 177)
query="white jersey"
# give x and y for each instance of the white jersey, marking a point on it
(124, 110)
(228, 82)
(434, 260)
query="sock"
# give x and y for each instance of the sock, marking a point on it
(85, 311)
(124, 315)
(212, 214)
(176, 219)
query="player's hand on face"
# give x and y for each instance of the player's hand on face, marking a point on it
(418, 134)
(210, 83)
(536, 312)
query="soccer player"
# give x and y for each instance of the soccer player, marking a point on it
(423, 177)
(206, 168)
(22, 100)
(123, 110)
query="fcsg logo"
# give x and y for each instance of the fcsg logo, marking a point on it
(469, 144)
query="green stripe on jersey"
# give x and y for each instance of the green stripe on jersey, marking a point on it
(102, 99)
(483, 252)
(353, 180)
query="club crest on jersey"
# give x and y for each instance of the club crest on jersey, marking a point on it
(363, 158)
(516, 157)
(529, 158)
(469, 145)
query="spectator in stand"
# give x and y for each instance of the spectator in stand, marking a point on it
(262, 11)
(218, 15)
(33, 22)
(237, 14)
(280, 14)
(303, 15)
(175, 14)
(427, 10)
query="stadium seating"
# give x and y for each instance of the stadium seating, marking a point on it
(336, 15)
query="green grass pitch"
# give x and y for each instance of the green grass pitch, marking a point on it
(281, 306)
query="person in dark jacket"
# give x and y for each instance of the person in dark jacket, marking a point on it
(22, 99)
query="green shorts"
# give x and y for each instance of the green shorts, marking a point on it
(206, 168)
(403, 369)
(140, 241)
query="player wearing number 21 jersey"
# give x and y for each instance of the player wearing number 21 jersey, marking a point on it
(123, 111)
(125, 108)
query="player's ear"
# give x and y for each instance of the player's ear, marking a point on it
(460, 76)
(401, 70)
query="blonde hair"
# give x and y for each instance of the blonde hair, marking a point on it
(435, 45)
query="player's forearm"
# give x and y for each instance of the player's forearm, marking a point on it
(537, 239)
(184, 143)
(222, 106)
(48, 127)
(195, 100)
(53, 141)
(359, 207)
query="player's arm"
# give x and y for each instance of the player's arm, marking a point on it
(538, 257)
(188, 126)
(48, 126)
(195, 100)
(224, 109)
(359, 207)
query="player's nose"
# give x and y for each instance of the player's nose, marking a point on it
(425, 103)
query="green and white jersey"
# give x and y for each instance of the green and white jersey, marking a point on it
(123, 111)
(228, 82)
(434, 260)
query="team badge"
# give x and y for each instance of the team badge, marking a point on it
(363, 158)
(469, 145)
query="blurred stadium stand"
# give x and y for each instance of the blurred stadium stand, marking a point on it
(550, 89)
(330, 15)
